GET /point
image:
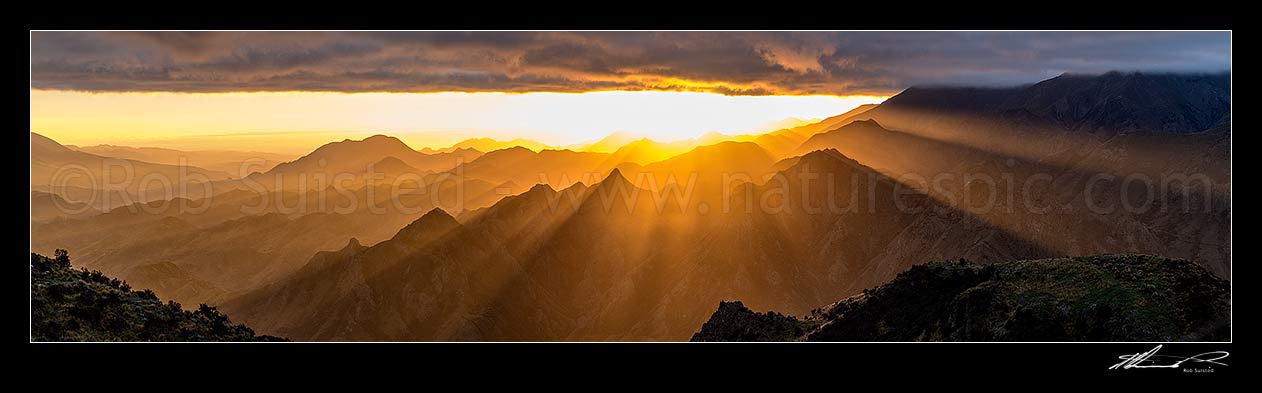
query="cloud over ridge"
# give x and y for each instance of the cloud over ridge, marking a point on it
(730, 63)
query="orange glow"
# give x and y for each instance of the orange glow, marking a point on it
(296, 122)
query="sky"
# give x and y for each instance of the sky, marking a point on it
(297, 122)
(192, 88)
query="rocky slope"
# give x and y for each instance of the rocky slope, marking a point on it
(1096, 298)
(83, 305)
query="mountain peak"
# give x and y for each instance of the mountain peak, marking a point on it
(385, 140)
(830, 157)
(578, 186)
(615, 180)
(430, 226)
(614, 175)
(828, 153)
(353, 244)
(380, 137)
(436, 214)
(350, 146)
(350, 155)
(541, 187)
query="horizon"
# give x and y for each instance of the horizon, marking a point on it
(421, 138)
(300, 122)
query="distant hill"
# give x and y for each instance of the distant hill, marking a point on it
(82, 176)
(611, 142)
(558, 168)
(710, 169)
(788, 122)
(352, 156)
(244, 237)
(47, 206)
(782, 142)
(82, 305)
(227, 161)
(646, 151)
(1096, 298)
(356, 157)
(488, 144)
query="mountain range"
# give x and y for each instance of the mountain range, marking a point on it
(638, 242)
(226, 161)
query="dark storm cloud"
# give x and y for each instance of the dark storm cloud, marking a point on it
(734, 63)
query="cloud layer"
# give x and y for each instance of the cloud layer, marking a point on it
(733, 63)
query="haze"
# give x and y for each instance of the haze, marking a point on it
(300, 121)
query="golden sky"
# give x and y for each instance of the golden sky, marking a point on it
(297, 122)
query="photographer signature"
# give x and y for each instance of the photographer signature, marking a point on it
(1151, 359)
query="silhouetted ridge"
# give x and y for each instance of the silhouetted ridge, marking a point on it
(540, 187)
(615, 175)
(863, 123)
(349, 155)
(513, 151)
(431, 225)
(830, 158)
(1114, 101)
(1177, 103)
(379, 138)
(734, 322)
(375, 141)
(83, 305)
(42, 145)
(576, 187)
(1096, 298)
(615, 180)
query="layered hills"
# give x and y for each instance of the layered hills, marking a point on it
(638, 240)
(613, 261)
(227, 161)
(106, 182)
(1082, 155)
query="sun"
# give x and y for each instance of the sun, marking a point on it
(300, 121)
